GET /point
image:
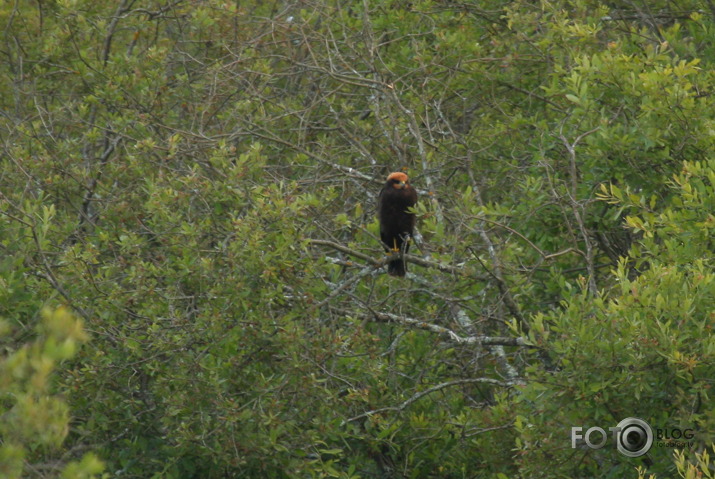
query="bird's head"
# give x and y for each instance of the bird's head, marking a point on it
(398, 180)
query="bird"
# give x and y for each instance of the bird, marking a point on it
(396, 223)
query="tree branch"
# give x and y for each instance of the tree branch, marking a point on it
(445, 268)
(508, 299)
(121, 10)
(481, 340)
(575, 206)
(417, 396)
(348, 251)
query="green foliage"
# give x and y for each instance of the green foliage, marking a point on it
(197, 181)
(646, 348)
(35, 418)
(700, 467)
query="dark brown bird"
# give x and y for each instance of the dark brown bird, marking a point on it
(396, 223)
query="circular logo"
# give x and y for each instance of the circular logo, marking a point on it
(635, 437)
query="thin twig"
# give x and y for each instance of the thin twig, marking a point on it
(417, 396)
(496, 271)
(579, 209)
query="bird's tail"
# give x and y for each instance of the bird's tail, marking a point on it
(396, 267)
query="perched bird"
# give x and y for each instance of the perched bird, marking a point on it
(396, 223)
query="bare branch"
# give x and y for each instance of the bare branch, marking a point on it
(538, 250)
(445, 268)
(346, 250)
(276, 139)
(417, 396)
(508, 299)
(441, 330)
(352, 280)
(532, 94)
(121, 10)
(49, 275)
(578, 209)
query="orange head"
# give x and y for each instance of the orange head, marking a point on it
(398, 180)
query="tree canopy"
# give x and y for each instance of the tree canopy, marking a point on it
(189, 188)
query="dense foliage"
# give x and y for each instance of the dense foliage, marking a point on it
(196, 181)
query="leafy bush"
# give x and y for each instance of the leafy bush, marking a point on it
(197, 181)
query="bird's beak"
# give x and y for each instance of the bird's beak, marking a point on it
(403, 185)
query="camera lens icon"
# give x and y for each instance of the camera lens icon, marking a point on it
(635, 437)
